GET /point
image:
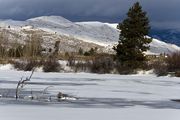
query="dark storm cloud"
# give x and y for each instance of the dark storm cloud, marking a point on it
(23, 9)
(159, 11)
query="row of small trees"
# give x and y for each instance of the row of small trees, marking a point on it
(168, 65)
(32, 47)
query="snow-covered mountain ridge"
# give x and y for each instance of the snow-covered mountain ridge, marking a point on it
(102, 34)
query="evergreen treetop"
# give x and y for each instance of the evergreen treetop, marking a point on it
(133, 40)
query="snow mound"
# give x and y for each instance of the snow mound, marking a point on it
(6, 67)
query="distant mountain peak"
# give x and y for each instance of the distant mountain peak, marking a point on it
(53, 19)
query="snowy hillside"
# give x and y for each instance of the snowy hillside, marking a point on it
(95, 32)
(103, 34)
(158, 46)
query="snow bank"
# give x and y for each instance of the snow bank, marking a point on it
(142, 72)
(6, 67)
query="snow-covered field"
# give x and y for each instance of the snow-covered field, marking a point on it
(100, 97)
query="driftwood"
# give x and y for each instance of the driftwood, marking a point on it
(22, 83)
(45, 89)
(59, 97)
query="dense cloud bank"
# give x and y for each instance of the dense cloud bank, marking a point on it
(83, 10)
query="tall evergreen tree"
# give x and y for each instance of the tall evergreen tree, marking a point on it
(133, 40)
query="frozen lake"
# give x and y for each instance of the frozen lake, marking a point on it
(137, 97)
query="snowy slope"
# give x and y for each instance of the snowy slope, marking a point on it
(104, 34)
(95, 32)
(158, 46)
(12, 23)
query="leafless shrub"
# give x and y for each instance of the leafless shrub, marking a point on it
(71, 60)
(102, 64)
(82, 66)
(51, 65)
(123, 69)
(173, 62)
(177, 73)
(27, 65)
(160, 68)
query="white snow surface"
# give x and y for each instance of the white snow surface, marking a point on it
(106, 97)
(104, 34)
(157, 46)
(55, 113)
(6, 67)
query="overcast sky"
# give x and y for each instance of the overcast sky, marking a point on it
(161, 12)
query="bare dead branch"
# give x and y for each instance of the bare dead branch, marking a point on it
(31, 74)
(45, 89)
(22, 83)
